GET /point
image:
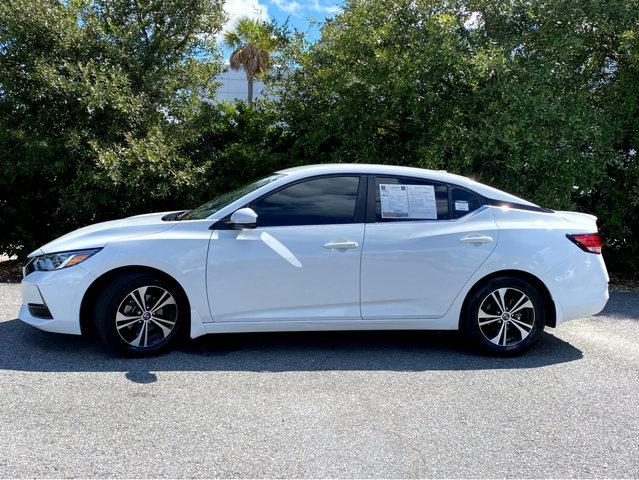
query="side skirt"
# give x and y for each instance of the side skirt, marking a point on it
(332, 325)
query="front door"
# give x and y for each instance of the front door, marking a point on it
(302, 262)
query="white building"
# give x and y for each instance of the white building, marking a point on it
(235, 86)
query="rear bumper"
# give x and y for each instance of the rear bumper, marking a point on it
(578, 286)
(60, 294)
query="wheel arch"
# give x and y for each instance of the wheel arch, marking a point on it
(549, 304)
(91, 294)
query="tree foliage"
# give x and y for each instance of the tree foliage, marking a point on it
(97, 99)
(107, 106)
(537, 98)
(253, 43)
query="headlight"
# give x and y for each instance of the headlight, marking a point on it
(57, 261)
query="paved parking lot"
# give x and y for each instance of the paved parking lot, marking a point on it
(323, 404)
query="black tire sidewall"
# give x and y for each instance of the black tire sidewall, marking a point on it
(470, 325)
(109, 300)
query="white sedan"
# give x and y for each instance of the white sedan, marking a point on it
(325, 247)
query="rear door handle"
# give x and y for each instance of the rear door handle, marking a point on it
(341, 245)
(476, 239)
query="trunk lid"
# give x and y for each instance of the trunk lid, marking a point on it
(584, 220)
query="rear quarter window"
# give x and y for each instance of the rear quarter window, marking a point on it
(463, 202)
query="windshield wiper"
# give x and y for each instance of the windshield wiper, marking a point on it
(175, 216)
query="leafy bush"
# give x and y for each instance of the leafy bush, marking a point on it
(96, 101)
(104, 111)
(537, 98)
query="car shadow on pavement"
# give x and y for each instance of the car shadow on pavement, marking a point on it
(23, 348)
(622, 306)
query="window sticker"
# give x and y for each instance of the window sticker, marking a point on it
(416, 202)
(461, 205)
(394, 199)
(421, 202)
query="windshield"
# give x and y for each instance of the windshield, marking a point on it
(209, 208)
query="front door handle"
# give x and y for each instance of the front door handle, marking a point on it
(476, 239)
(341, 245)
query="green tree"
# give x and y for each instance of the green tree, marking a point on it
(537, 98)
(98, 99)
(253, 43)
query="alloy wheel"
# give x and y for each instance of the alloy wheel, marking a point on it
(146, 316)
(506, 316)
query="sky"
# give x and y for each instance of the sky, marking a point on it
(298, 12)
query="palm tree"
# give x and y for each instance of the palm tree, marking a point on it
(252, 42)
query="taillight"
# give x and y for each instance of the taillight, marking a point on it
(588, 242)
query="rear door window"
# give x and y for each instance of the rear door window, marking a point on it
(409, 199)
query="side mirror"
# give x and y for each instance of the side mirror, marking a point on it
(244, 218)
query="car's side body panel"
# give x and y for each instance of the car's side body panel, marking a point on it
(178, 251)
(415, 269)
(536, 243)
(286, 273)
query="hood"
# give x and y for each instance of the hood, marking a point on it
(99, 234)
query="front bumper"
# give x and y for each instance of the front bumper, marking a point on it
(60, 292)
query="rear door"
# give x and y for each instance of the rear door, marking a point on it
(423, 242)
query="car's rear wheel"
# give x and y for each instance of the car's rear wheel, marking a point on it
(504, 316)
(139, 314)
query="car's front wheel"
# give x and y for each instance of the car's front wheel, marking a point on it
(139, 314)
(504, 316)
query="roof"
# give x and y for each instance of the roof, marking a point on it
(328, 168)
(436, 175)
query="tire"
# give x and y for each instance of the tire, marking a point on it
(140, 314)
(501, 331)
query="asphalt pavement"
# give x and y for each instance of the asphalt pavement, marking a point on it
(371, 404)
